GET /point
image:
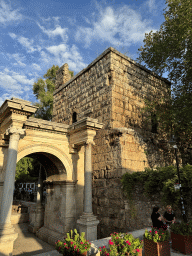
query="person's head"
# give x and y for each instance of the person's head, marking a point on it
(169, 208)
(155, 209)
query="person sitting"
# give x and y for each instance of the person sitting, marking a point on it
(169, 215)
(157, 219)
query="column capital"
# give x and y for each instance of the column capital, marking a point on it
(15, 130)
(89, 142)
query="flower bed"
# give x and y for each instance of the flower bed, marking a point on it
(122, 244)
(73, 244)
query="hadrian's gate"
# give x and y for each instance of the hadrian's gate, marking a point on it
(65, 153)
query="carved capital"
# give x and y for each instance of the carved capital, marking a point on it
(15, 130)
(89, 142)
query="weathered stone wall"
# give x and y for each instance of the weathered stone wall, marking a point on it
(115, 212)
(132, 84)
(113, 89)
(87, 94)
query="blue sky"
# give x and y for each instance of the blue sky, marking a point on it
(36, 34)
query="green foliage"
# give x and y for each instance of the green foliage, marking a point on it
(121, 244)
(157, 235)
(182, 228)
(73, 244)
(43, 90)
(25, 170)
(161, 182)
(170, 50)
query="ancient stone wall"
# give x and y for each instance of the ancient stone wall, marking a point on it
(132, 84)
(87, 94)
(115, 212)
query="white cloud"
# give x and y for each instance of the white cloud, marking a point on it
(58, 31)
(119, 27)
(25, 42)
(18, 58)
(7, 14)
(11, 81)
(62, 53)
(151, 5)
(36, 66)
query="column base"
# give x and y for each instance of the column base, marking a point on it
(7, 238)
(88, 224)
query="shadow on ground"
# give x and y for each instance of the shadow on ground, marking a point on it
(27, 243)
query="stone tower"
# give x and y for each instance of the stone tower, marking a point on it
(113, 89)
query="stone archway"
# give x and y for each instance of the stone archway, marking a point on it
(67, 150)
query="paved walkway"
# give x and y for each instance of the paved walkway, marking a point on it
(27, 244)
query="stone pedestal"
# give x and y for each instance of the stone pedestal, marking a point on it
(88, 224)
(7, 238)
(39, 219)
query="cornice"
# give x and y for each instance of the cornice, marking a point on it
(46, 126)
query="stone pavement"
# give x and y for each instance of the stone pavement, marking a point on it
(27, 244)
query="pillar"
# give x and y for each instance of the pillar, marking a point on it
(88, 222)
(7, 233)
(39, 212)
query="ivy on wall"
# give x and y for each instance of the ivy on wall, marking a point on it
(161, 182)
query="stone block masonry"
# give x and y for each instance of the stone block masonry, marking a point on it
(114, 89)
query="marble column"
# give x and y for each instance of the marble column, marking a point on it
(39, 212)
(88, 179)
(7, 233)
(88, 222)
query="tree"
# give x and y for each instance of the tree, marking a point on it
(25, 170)
(43, 90)
(170, 50)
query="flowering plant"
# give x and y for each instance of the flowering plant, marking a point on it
(182, 228)
(157, 235)
(122, 244)
(73, 244)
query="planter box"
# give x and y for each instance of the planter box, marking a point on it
(182, 243)
(156, 249)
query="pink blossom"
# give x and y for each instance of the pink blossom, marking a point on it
(137, 250)
(150, 231)
(110, 242)
(64, 243)
(104, 246)
(77, 250)
(81, 243)
(85, 247)
(71, 242)
(156, 232)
